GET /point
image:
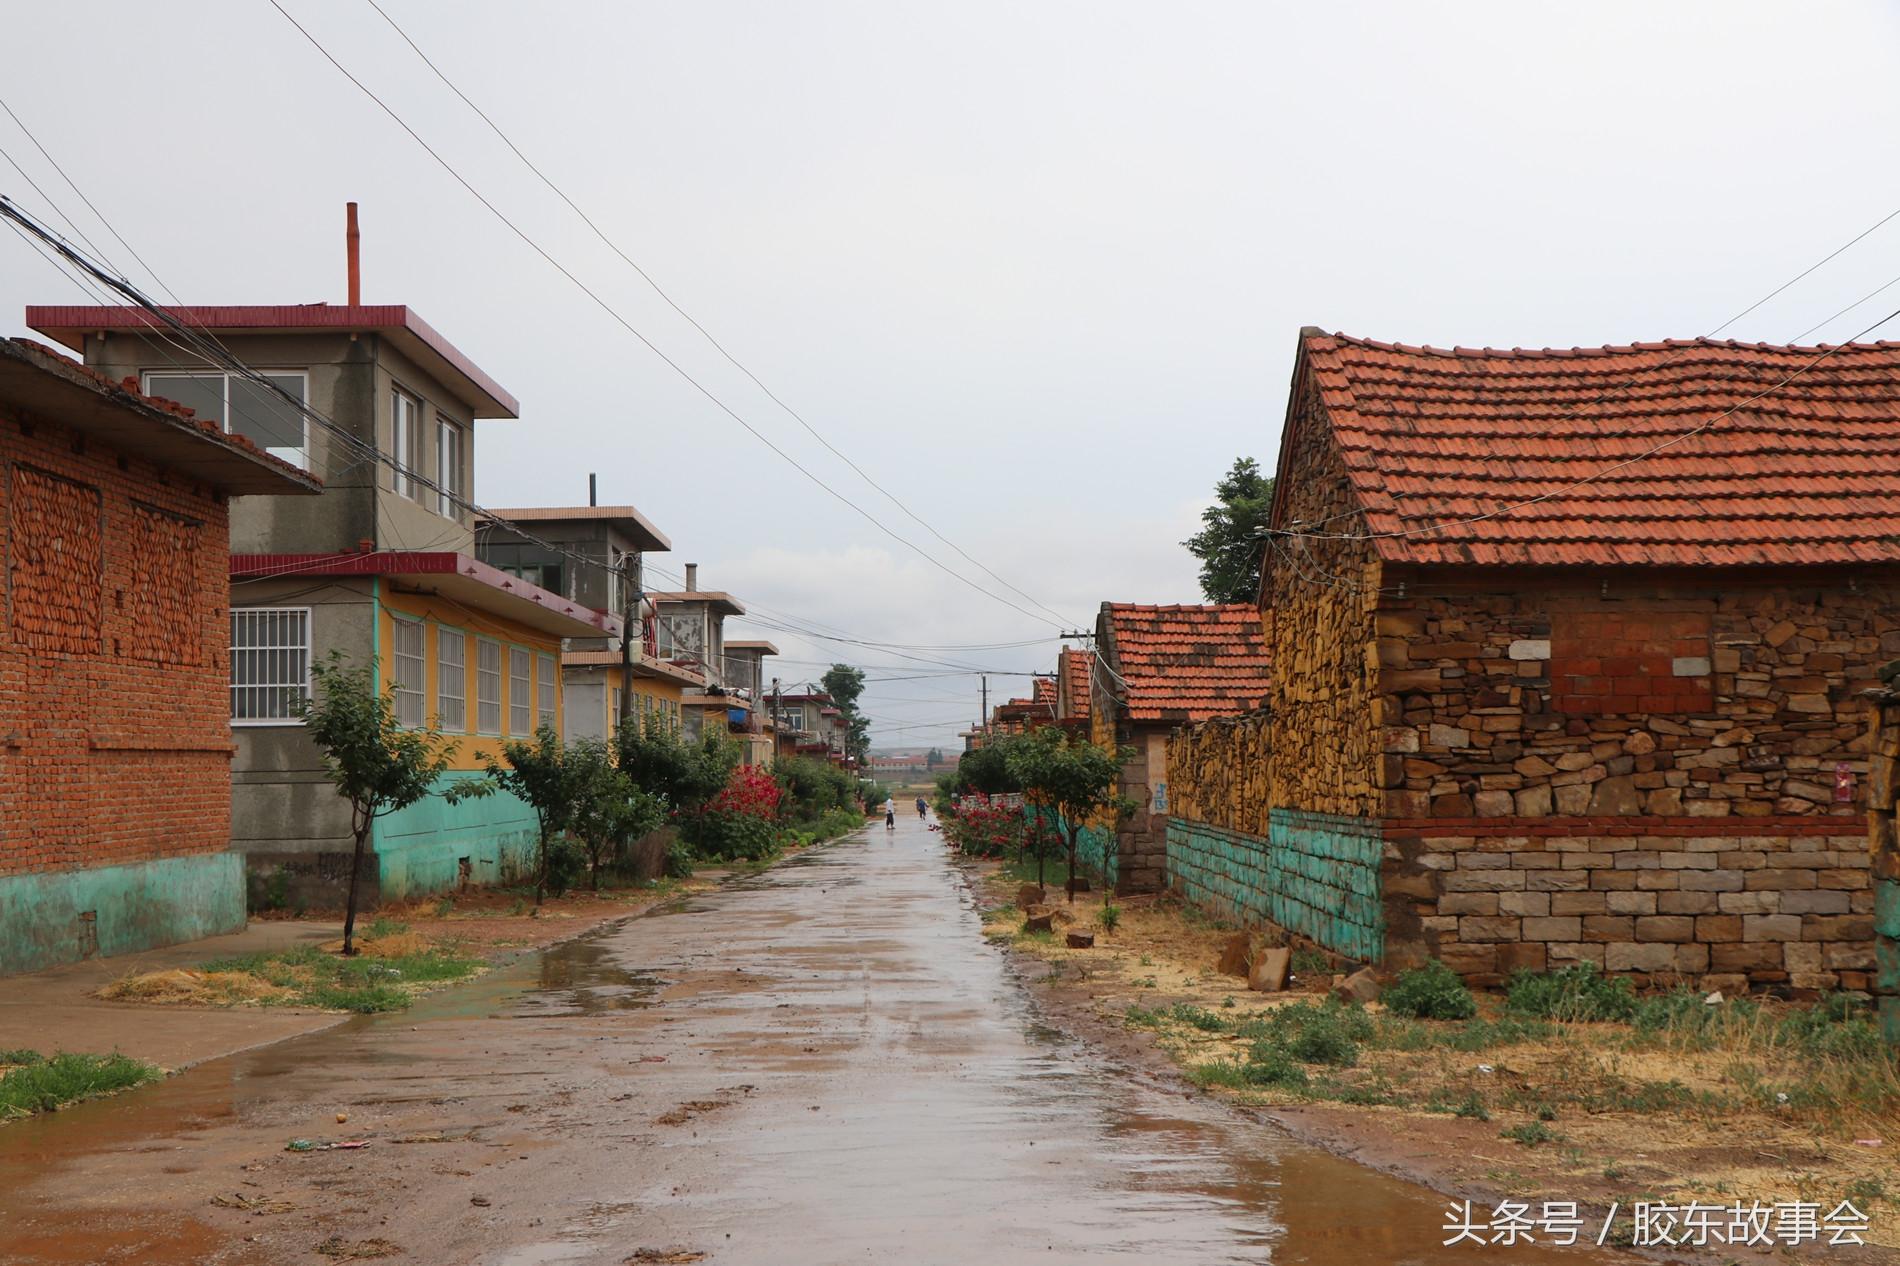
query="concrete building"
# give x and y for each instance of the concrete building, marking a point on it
(1568, 649)
(380, 567)
(115, 751)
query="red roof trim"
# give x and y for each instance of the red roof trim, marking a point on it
(417, 563)
(76, 319)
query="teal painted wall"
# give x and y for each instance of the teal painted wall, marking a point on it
(419, 849)
(1096, 854)
(139, 907)
(1316, 874)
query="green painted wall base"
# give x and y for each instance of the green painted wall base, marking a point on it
(136, 907)
(1317, 874)
(420, 849)
(1095, 852)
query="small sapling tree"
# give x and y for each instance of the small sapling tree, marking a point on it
(610, 812)
(375, 763)
(1073, 778)
(539, 772)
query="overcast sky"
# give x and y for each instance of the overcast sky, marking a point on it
(1037, 268)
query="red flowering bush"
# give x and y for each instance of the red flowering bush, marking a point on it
(985, 827)
(740, 822)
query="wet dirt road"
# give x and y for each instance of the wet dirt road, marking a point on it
(822, 1064)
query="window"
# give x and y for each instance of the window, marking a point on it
(451, 680)
(406, 655)
(545, 684)
(683, 636)
(247, 407)
(270, 663)
(520, 714)
(448, 468)
(547, 575)
(404, 416)
(487, 686)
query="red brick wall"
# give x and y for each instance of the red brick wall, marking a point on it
(1604, 663)
(114, 734)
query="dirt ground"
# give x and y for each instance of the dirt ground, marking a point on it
(1160, 955)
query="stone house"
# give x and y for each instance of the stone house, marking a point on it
(1074, 668)
(1568, 648)
(115, 750)
(1157, 668)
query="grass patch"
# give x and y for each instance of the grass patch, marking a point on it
(1530, 1134)
(1579, 992)
(36, 1083)
(1431, 992)
(392, 970)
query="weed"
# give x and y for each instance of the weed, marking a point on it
(380, 927)
(443, 908)
(22, 1056)
(1579, 992)
(1328, 1033)
(1431, 992)
(1530, 1134)
(1219, 1073)
(1198, 1017)
(46, 1085)
(1144, 1018)
(1865, 1191)
(364, 984)
(1145, 961)
(1228, 1003)
(1273, 1067)
(1110, 917)
(1614, 1173)
(1472, 1109)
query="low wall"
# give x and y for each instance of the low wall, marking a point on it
(1762, 902)
(1316, 874)
(139, 906)
(1096, 851)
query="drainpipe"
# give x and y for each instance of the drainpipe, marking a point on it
(352, 246)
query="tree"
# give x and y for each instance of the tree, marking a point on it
(987, 769)
(375, 763)
(934, 758)
(1231, 543)
(844, 684)
(661, 762)
(610, 812)
(542, 775)
(1071, 777)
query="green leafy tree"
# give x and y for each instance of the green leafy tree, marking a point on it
(663, 763)
(610, 811)
(540, 773)
(1071, 778)
(987, 769)
(845, 684)
(934, 758)
(375, 763)
(1230, 543)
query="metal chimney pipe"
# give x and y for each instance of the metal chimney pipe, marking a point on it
(592, 489)
(353, 245)
(692, 577)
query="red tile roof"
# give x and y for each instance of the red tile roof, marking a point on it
(1075, 669)
(1045, 690)
(1185, 663)
(1809, 473)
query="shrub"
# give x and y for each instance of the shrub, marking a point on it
(566, 864)
(1530, 1134)
(983, 827)
(741, 822)
(1431, 992)
(1574, 993)
(1273, 1067)
(1329, 1033)
(1111, 916)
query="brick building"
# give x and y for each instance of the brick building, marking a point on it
(115, 753)
(1567, 651)
(1161, 667)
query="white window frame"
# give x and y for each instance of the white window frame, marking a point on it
(482, 676)
(290, 683)
(403, 426)
(301, 460)
(451, 687)
(546, 690)
(411, 699)
(449, 434)
(520, 692)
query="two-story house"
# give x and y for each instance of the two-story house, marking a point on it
(380, 568)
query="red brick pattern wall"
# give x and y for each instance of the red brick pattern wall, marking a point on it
(114, 733)
(1609, 662)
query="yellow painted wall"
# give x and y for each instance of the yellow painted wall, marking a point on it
(438, 612)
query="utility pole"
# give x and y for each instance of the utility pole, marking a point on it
(983, 723)
(629, 627)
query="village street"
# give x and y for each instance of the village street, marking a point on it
(824, 1063)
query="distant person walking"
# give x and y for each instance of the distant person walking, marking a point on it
(923, 808)
(890, 814)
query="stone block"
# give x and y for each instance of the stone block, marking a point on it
(1608, 927)
(1529, 648)
(1480, 859)
(1470, 960)
(1844, 878)
(1663, 880)
(1573, 799)
(1802, 955)
(1524, 903)
(1555, 880)
(1623, 956)
(1568, 928)
(1748, 902)
(1749, 956)
(1449, 736)
(1534, 802)
(1477, 929)
(1771, 927)
(1687, 861)
(1710, 880)
(1632, 903)
(1470, 903)
(1673, 928)
(1561, 953)
(1778, 879)
(1847, 956)
(1580, 902)
(1493, 880)
(1688, 903)
(1523, 956)
(1716, 928)
(1493, 804)
(1815, 902)
(1835, 927)
(1613, 880)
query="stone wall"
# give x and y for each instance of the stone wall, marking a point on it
(1316, 875)
(1220, 773)
(1883, 795)
(1724, 908)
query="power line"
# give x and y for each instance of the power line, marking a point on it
(647, 277)
(624, 323)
